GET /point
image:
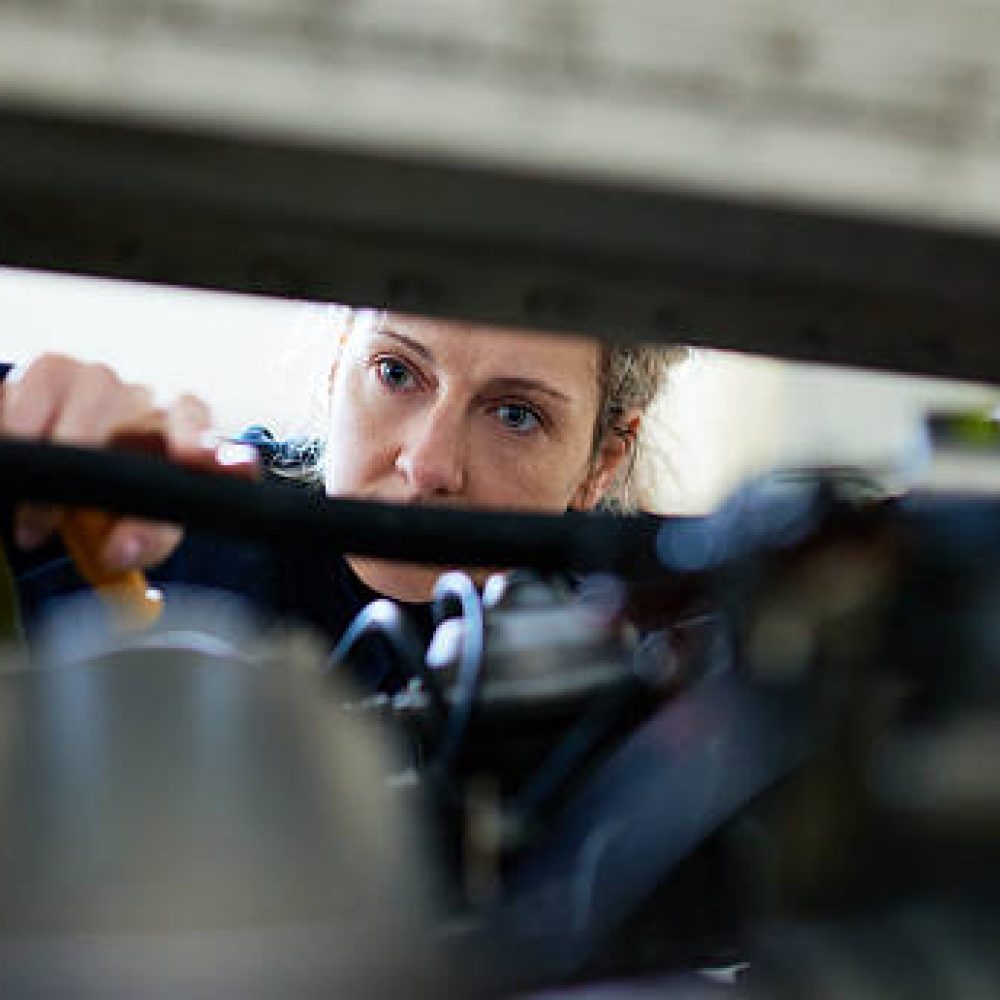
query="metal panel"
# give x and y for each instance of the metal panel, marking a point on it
(810, 181)
(851, 104)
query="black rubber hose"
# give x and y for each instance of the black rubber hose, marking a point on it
(146, 486)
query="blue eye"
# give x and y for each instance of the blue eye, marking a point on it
(517, 417)
(395, 375)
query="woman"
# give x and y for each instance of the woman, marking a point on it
(419, 410)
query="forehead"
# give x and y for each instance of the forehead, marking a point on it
(568, 362)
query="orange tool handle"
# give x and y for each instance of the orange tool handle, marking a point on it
(134, 603)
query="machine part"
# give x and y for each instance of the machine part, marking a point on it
(684, 773)
(181, 816)
(554, 684)
(548, 643)
(459, 587)
(386, 620)
(928, 949)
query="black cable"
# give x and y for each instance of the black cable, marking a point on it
(459, 586)
(386, 619)
(146, 486)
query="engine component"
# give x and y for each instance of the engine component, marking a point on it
(183, 813)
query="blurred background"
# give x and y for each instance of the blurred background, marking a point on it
(258, 360)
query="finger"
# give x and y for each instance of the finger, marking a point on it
(134, 544)
(34, 523)
(33, 396)
(213, 453)
(96, 405)
(237, 459)
(191, 440)
(188, 427)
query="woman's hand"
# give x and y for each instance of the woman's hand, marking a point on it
(65, 401)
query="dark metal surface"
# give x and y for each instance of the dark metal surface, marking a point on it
(679, 777)
(133, 202)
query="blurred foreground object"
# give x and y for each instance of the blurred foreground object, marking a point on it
(787, 733)
(821, 797)
(185, 814)
(962, 452)
(812, 181)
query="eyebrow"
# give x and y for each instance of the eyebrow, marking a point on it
(413, 345)
(515, 384)
(512, 383)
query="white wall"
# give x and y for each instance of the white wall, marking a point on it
(233, 350)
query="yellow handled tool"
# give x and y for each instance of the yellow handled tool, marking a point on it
(134, 603)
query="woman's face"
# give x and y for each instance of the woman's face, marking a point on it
(432, 412)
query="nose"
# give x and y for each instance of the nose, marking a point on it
(432, 456)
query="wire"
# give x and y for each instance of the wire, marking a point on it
(459, 586)
(386, 619)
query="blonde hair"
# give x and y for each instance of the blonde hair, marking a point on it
(631, 377)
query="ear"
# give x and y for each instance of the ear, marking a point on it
(614, 450)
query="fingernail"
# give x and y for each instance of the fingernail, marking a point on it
(230, 453)
(208, 440)
(27, 536)
(125, 554)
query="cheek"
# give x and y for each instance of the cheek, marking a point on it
(540, 475)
